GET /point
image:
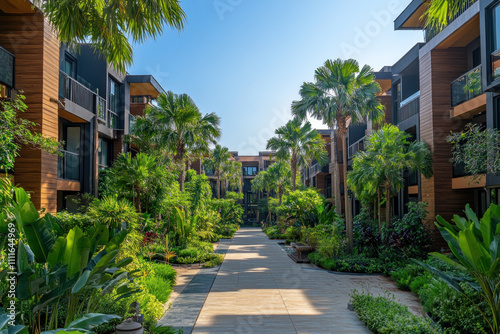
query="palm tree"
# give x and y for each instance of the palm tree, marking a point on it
(280, 175)
(388, 153)
(216, 162)
(108, 24)
(298, 144)
(263, 182)
(440, 12)
(176, 126)
(341, 91)
(232, 174)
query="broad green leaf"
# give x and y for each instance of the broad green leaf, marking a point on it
(56, 254)
(471, 250)
(4, 318)
(39, 238)
(76, 249)
(90, 320)
(22, 258)
(82, 280)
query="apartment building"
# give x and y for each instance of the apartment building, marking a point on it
(251, 166)
(317, 176)
(439, 86)
(74, 96)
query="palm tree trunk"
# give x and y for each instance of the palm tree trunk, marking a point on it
(268, 208)
(293, 164)
(387, 204)
(218, 186)
(336, 175)
(347, 203)
(182, 175)
(379, 213)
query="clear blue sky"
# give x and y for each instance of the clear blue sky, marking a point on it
(246, 59)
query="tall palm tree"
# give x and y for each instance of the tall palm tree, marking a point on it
(216, 162)
(341, 91)
(388, 153)
(176, 126)
(298, 144)
(232, 174)
(280, 175)
(108, 24)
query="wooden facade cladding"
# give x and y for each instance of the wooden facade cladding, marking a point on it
(36, 48)
(137, 109)
(438, 68)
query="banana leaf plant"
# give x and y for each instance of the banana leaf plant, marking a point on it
(74, 270)
(476, 246)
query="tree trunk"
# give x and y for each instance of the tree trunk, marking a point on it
(387, 204)
(293, 165)
(218, 186)
(347, 214)
(336, 175)
(268, 208)
(182, 175)
(379, 213)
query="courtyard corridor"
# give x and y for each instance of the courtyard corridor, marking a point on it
(259, 289)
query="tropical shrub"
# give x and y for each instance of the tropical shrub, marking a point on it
(476, 246)
(384, 315)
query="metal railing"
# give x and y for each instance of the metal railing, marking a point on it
(408, 108)
(71, 89)
(466, 87)
(315, 169)
(356, 147)
(430, 33)
(68, 166)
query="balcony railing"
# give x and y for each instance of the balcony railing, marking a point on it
(466, 87)
(71, 89)
(495, 64)
(408, 107)
(356, 147)
(430, 33)
(68, 167)
(109, 118)
(315, 169)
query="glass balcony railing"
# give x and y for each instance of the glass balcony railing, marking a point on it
(495, 64)
(68, 167)
(75, 91)
(430, 33)
(356, 147)
(466, 87)
(408, 107)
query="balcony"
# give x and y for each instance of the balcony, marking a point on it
(76, 92)
(315, 169)
(355, 148)
(107, 116)
(430, 33)
(466, 87)
(495, 64)
(68, 166)
(408, 107)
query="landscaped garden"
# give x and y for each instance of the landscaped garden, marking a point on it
(81, 271)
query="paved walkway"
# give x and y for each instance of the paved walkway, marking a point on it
(259, 289)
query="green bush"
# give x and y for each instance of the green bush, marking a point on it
(350, 263)
(68, 220)
(158, 287)
(215, 261)
(385, 316)
(293, 233)
(405, 275)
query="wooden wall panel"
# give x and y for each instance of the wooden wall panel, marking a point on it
(438, 69)
(36, 48)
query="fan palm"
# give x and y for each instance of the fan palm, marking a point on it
(232, 174)
(107, 24)
(280, 175)
(341, 91)
(216, 162)
(176, 126)
(263, 182)
(298, 144)
(388, 153)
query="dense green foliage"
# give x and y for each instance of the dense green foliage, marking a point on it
(15, 131)
(383, 315)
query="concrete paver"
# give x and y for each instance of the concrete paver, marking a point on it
(259, 289)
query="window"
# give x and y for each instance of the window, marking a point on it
(250, 171)
(70, 66)
(103, 153)
(114, 96)
(495, 42)
(6, 72)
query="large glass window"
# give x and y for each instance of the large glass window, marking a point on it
(70, 66)
(250, 171)
(495, 42)
(103, 153)
(114, 95)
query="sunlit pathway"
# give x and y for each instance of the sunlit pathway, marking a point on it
(259, 289)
